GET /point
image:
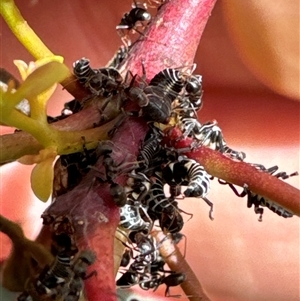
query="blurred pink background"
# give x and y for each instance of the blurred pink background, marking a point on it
(235, 257)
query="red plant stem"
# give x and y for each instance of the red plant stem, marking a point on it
(94, 214)
(173, 37)
(241, 173)
(238, 173)
(177, 263)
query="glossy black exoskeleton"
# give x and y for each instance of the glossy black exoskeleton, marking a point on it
(130, 21)
(190, 173)
(125, 258)
(193, 89)
(210, 135)
(128, 279)
(171, 219)
(173, 279)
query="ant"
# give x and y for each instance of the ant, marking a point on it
(131, 20)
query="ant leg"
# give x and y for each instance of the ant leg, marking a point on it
(211, 205)
(121, 119)
(241, 194)
(126, 41)
(253, 201)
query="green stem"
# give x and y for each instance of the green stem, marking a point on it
(19, 120)
(70, 142)
(22, 30)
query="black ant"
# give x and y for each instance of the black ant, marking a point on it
(131, 20)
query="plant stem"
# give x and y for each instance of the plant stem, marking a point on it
(172, 38)
(241, 173)
(177, 263)
(237, 172)
(23, 31)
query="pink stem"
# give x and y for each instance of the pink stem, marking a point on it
(238, 173)
(241, 173)
(177, 263)
(172, 38)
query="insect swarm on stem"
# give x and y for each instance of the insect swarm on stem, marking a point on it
(231, 205)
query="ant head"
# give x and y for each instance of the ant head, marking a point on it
(194, 84)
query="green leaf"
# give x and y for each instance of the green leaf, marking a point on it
(42, 179)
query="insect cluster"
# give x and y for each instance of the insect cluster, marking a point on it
(172, 96)
(63, 278)
(147, 269)
(170, 103)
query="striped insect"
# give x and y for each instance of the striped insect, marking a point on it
(150, 152)
(147, 269)
(83, 71)
(147, 252)
(62, 279)
(190, 126)
(162, 208)
(131, 218)
(103, 81)
(210, 135)
(133, 215)
(190, 102)
(193, 91)
(153, 279)
(259, 201)
(79, 268)
(52, 280)
(156, 200)
(186, 106)
(156, 98)
(169, 81)
(189, 173)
